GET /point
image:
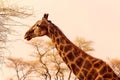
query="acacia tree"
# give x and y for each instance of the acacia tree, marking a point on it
(47, 64)
(85, 45)
(7, 13)
(7, 21)
(22, 68)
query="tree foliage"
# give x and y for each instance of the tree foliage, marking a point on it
(84, 44)
(7, 13)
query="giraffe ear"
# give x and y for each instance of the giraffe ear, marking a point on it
(45, 16)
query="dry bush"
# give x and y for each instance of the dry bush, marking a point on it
(84, 44)
(7, 13)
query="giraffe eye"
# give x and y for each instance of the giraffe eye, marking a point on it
(37, 25)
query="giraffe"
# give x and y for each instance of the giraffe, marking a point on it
(83, 65)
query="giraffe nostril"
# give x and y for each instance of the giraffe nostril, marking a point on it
(27, 37)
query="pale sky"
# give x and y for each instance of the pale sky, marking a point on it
(95, 20)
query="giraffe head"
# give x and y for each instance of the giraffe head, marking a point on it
(40, 28)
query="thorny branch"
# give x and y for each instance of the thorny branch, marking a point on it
(44, 65)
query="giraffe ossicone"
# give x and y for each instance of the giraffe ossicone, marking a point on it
(83, 65)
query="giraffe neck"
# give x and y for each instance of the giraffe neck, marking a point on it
(55, 33)
(67, 50)
(61, 42)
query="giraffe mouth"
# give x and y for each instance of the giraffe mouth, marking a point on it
(27, 38)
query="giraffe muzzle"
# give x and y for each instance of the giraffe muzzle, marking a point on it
(27, 38)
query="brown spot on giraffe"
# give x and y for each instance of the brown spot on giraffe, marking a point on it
(75, 69)
(93, 73)
(83, 65)
(76, 52)
(67, 48)
(58, 41)
(103, 70)
(70, 56)
(98, 64)
(81, 76)
(79, 61)
(107, 76)
(84, 72)
(87, 65)
(61, 47)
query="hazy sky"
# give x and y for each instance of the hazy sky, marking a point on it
(96, 20)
